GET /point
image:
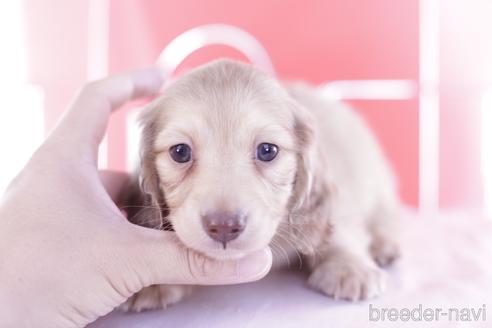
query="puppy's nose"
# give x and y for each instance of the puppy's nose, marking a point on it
(224, 226)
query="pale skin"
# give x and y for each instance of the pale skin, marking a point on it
(67, 254)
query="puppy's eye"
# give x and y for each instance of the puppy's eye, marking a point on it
(180, 153)
(266, 152)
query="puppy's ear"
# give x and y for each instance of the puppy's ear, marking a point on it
(153, 209)
(312, 188)
(305, 136)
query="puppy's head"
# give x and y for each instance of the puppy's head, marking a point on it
(226, 150)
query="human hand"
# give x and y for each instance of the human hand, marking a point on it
(67, 254)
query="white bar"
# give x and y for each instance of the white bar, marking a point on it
(21, 104)
(13, 55)
(429, 106)
(214, 34)
(21, 128)
(97, 55)
(486, 165)
(370, 89)
(97, 39)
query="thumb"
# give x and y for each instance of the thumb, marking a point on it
(160, 258)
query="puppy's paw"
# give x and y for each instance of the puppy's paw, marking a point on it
(384, 250)
(155, 297)
(350, 280)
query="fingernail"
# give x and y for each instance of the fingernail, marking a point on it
(255, 266)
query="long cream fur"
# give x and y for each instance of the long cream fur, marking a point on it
(330, 193)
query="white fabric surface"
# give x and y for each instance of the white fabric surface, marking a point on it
(447, 263)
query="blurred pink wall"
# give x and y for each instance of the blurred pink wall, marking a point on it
(56, 35)
(311, 40)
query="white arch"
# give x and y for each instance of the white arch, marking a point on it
(214, 34)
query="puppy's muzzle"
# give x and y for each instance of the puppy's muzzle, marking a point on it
(224, 226)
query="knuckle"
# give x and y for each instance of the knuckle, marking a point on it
(92, 89)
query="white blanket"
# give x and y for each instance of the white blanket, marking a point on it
(446, 272)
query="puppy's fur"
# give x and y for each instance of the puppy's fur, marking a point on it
(329, 193)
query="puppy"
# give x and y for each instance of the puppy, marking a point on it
(231, 160)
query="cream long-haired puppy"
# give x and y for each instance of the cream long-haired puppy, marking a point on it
(232, 161)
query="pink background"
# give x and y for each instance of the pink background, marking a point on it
(310, 40)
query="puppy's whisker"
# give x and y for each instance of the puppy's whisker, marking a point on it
(277, 253)
(304, 238)
(301, 237)
(152, 223)
(282, 250)
(286, 238)
(288, 233)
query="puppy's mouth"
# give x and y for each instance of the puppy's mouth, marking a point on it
(224, 255)
(234, 250)
(215, 250)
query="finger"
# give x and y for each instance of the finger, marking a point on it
(114, 182)
(84, 123)
(160, 258)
